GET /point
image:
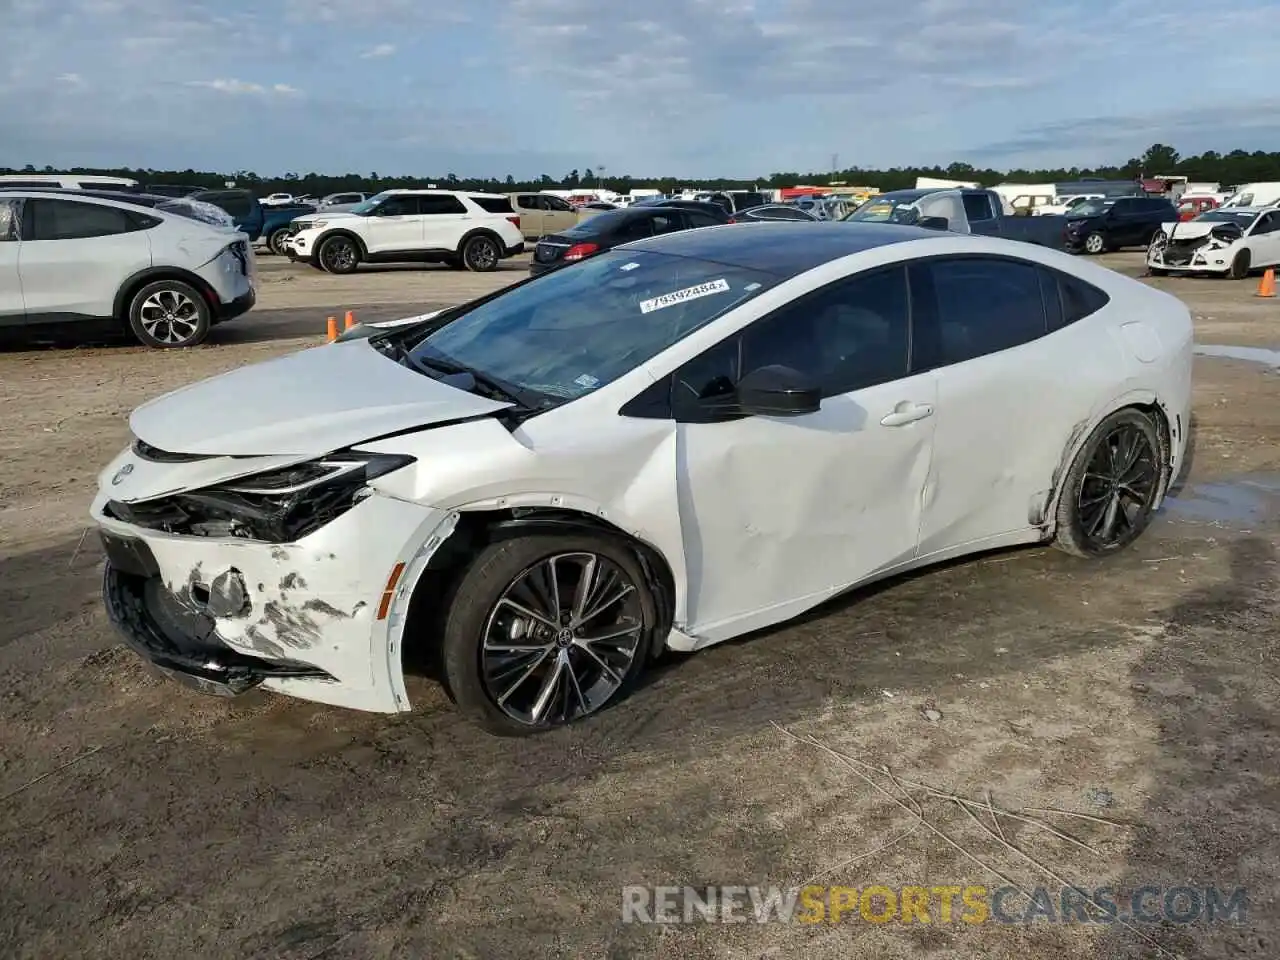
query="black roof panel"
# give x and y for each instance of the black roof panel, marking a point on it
(783, 248)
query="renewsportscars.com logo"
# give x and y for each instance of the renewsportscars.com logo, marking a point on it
(946, 904)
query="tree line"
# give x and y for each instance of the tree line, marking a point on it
(1236, 167)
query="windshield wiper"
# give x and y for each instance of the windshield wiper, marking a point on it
(524, 399)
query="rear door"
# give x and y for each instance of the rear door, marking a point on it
(75, 255)
(445, 219)
(532, 215)
(12, 306)
(996, 331)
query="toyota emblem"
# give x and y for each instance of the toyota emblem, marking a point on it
(122, 473)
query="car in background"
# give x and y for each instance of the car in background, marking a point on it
(463, 229)
(68, 181)
(822, 208)
(165, 269)
(610, 229)
(277, 224)
(1097, 226)
(244, 208)
(961, 210)
(338, 202)
(544, 490)
(1229, 241)
(543, 213)
(773, 211)
(1063, 205)
(1191, 207)
(714, 210)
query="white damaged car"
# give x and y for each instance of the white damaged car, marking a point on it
(677, 442)
(1228, 240)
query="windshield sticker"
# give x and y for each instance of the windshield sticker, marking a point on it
(586, 380)
(628, 266)
(751, 287)
(688, 293)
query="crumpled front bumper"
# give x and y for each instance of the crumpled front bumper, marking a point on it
(305, 619)
(1207, 257)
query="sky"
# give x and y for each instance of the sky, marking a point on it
(692, 88)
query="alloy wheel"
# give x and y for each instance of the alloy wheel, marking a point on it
(339, 254)
(1118, 488)
(482, 254)
(561, 639)
(1093, 243)
(170, 316)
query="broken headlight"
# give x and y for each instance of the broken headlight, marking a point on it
(279, 506)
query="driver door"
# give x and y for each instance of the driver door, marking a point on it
(778, 513)
(396, 224)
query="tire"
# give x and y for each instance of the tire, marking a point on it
(1095, 243)
(453, 262)
(481, 254)
(501, 695)
(1157, 271)
(338, 254)
(1085, 502)
(169, 314)
(275, 242)
(1240, 266)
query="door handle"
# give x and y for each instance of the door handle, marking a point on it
(905, 413)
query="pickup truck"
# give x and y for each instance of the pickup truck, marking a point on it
(961, 210)
(275, 224)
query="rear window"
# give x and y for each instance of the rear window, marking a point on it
(493, 204)
(238, 203)
(605, 222)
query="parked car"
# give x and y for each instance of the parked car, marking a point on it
(277, 224)
(339, 202)
(1191, 207)
(543, 490)
(773, 211)
(542, 213)
(475, 231)
(68, 181)
(1230, 241)
(613, 228)
(1097, 226)
(962, 210)
(711, 209)
(166, 269)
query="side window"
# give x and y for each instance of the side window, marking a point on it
(710, 376)
(669, 222)
(556, 204)
(493, 204)
(847, 336)
(977, 207)
(528, 201)
(1266, 224)
(1079, 299)
(634, 229)
(982, 305)
(10, 227)
(72, 220)
(697, 218)
(402, 206)
(434, 204)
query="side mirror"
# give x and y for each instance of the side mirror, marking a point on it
(935, 223)
(777, 391)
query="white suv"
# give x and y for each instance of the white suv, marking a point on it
(462, 229)
(166, 269)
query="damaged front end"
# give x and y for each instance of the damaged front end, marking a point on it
(1175, 247)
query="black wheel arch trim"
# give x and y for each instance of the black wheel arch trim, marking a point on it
(339, 232)
(487, 232)
(129, 289)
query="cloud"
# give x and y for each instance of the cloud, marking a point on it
(241, 87)
(381, 50)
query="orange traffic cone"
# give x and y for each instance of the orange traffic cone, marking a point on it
(1267, 285)
(332, 332)
(351, 320)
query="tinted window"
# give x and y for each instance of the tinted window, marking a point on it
(710, 375)
(527, 201)
(116, 187)
(1122, 207)
(69, 220)
(1079, 299)
(1266, 224)
(9, 228)
(983, 305)
(849, 335)
(977, 207)
(556, 204)
(398, 206)
(493, 204)
(30, 183)
(435, 204)
(669, 222)
(697, 218)
(238, 203)
(636, 228)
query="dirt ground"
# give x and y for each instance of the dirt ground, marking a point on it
(139, 819)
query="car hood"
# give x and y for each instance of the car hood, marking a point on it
(1191, 229)
(305, 404)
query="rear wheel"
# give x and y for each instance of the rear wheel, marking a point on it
(168, 314)
(1109, 494)
(1240, 265)
(545, 630)
(481, 254)
(276, 242)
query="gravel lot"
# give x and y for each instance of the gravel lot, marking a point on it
(139, 819)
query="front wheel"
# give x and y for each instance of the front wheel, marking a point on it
(276, 242)
(1095, 244)
(1109, 494)
(481, 255)
(339, 255)
(545, 630)
(1240, 265)
(169, 314)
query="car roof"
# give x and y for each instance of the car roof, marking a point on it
(783, 248)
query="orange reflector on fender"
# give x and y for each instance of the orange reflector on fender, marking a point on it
(390, 592)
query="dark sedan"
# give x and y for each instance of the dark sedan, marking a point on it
(773, 211)
(612, 229)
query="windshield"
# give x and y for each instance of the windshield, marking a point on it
(1092, 208)
(888, 209)
(366, 207)
(577, 329)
